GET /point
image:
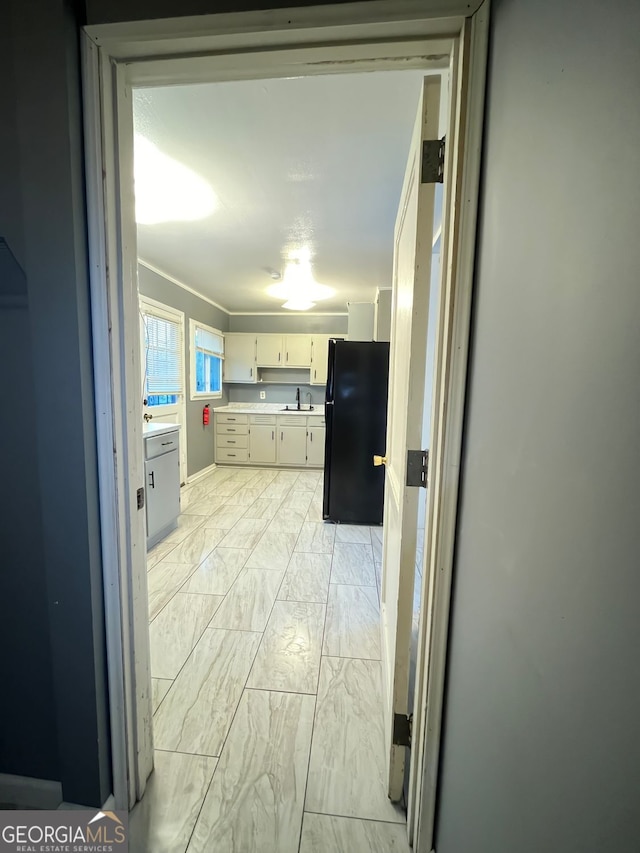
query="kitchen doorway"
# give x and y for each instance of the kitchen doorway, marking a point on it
(459, 43)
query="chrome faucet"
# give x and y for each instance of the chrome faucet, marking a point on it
(298, 399)
(309, 399)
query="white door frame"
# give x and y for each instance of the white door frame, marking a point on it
(376, 35)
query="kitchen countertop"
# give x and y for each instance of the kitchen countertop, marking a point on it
(158, 429)
(270, 409)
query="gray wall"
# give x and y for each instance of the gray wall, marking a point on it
(275, 393)
(383, 315)
(541, 747)
(200, 446)
(28, 737)
(44, 208)
(295, 324)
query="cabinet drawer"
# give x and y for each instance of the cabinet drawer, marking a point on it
(228, 454)
(233, 441)
(230, 418)
(232, 429)
(160, 444)
(317, 422)
(292, 420)
(262, 419)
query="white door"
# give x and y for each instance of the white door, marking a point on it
(297, 350)
(239, 358)
(162, 346)
(292, 445)
(315, 446)
(269, 351)
(411, 280)
(262, 443)
(319, 359)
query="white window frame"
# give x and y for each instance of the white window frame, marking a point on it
(168, 313)
(193, 393)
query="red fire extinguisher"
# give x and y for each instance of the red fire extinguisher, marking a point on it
(206, 414)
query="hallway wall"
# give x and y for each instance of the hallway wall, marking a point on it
(541, 747)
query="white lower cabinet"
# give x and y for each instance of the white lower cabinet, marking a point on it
(269, 439)
(262, 443)
(315, 445)
(292, 445)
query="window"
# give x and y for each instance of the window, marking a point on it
(162, 355)
(207, 353)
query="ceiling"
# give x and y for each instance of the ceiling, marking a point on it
(314, 162)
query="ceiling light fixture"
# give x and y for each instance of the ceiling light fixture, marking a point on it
(298, 305)
(166, 190)
(298, 287)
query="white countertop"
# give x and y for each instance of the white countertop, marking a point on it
(271, 409)
(150, 428)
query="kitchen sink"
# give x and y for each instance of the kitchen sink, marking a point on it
(294, 409)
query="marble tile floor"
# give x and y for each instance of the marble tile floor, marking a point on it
(266, 676)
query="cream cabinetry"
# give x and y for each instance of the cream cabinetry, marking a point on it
(239, 358)
(297, 350)
(246, 354)
(269, 439)
(315, 444)
(262, 438)
(292, 443)
(270, 350)
(319, 359)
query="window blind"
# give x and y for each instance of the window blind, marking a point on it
(163, 355)
(209, 342)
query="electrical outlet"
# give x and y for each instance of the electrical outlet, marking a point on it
(263, 395)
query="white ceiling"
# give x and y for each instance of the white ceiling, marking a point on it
(315, 161)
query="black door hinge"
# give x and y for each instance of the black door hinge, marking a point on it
(140, 497)
(432, 171)
(417, 468)
(402, 729)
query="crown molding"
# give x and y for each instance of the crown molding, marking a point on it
(181, 284)
(288, 314)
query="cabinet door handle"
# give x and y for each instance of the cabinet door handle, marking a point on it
(251, 372)
(231, 419)
(315, 373)
(287, 356)
(311, 436)
(152, 479)
(273, 435)
(231, 441)
(231, 429)
(281, 436)
(279, 354)
(232, 454)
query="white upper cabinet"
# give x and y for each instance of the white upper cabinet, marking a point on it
(270, 350)
(297, 350)
(239, 358)
(319, 359)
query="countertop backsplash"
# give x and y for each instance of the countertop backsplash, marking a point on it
(283, 395)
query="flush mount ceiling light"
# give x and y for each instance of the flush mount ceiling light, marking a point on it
(298, 286)
(166, 190)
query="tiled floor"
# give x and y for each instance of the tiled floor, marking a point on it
(265, 656)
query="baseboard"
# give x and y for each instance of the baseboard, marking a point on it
(200, 474)
(109, 805)
(27, 792)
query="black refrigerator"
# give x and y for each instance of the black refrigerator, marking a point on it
(356, 418)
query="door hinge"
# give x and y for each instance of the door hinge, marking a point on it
(417, 467)
(140, 497)
(402, 729)
(432, 171)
